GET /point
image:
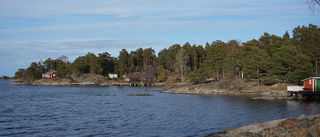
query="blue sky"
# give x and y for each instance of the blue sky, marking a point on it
(31, 30)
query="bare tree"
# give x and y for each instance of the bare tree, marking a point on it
(181, 63)
(313, 4)
(64, 59)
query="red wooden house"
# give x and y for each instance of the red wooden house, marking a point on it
(49, 74)
(311, 84)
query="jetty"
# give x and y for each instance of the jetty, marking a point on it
(134, 84)
(309, 90)
(142, 79)
(131, 84)
(85, 83)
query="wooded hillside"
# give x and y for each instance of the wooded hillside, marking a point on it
(269, 60)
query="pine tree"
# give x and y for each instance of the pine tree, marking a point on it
(255, 63)
(20, 74)
(291, 64)
(107, 63)
(123, 62)
(32, 72)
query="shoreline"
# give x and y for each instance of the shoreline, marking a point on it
(263, 92)
(266, 93)
(300, 126)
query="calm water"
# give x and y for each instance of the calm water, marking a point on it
(108, 111)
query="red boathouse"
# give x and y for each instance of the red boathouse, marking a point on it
(309, 90)
(311, 84)
(49, 74)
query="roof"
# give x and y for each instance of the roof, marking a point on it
(310, 78)
(49, 72)
(147, 76)
(131, 76)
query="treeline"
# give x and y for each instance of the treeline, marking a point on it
(4, 77)
(269, 59)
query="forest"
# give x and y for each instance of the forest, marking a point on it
(270, 59)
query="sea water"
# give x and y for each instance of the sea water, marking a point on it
(109, 111)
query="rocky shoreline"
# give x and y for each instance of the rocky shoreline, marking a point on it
(83, 78)
(303, 126)
(214, 88)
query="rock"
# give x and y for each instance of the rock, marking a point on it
(308, 126)
(90, 78)
(54, 82)
(20, 82)
(140, 94)
(269, 97)
(263, 97)
(81, 78)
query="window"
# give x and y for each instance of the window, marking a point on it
(310, 80)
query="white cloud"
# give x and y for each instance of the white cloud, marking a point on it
(124, 8)
(121, 13)
(103, 10)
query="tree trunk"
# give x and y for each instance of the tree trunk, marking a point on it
(218, 75)
(258, 78)
(181, 70)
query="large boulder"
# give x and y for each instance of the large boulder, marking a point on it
(54, 81)
(89, 78)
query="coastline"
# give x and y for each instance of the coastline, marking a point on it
(307, 126)
(263, 92)
(83, 78)
(212, 88)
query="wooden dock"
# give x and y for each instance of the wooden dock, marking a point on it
(114, 83)
(305, 95)
(84, 83)
(134, 84)
(299, 93)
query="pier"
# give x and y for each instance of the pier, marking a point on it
(299, 92)
(134, 84)
(84, 83)
(309, 90)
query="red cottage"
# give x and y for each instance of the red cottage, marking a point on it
(311, 84)
(49, 74)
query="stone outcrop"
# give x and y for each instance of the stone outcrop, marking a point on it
(89, 78)
(262, 92)
(81, 78)
(20, 82)
(140, 94)
(234, 87)
(54, 82)
(303, 126)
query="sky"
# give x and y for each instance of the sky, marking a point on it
(34, 30)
